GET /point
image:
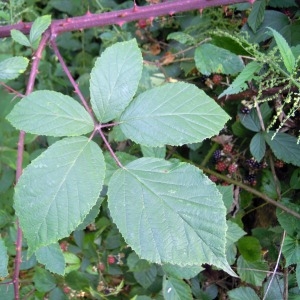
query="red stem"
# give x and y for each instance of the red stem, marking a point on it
(34, 70)
(120, 17)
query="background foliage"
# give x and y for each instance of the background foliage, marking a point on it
(246, 58)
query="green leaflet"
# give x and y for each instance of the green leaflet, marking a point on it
(169, 213)
(174, 114)
(11, 68)
(51, 113)
(114, 79)
(58, 189)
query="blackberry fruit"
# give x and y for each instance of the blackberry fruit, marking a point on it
(245, 110)
(253, 164)
(217, 155)
(251, 179)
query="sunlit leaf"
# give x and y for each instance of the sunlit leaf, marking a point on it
(174, 114)
(169, 213)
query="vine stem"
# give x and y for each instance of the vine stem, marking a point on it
(120, 17)
(109, 148)
(30, 85)
(71, 79)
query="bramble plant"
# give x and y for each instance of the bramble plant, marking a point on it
(140, 185)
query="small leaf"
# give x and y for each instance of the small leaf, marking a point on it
(240, 82)
(58, 189)
(227, 195)
(289, 223)
(250, 121)
(11, 68)
(146, 277)
(43, 280)
(182, 38)
(291, 251)
(250, 248)
(285, 51)
(284, 146)
(257, 14)
(3, 259)
(176, 289)
(245, 293)
(295, 180)
(212, 59)
(169, 213)
(20, 37)
(51, 113)
(182, 272)
(77, 281)
(38, 27)
(252, 272)
(174, 114)
(268, 185)
(258, 146)
(114, 79)
(234, 233)
(275, 286)
(52, 257)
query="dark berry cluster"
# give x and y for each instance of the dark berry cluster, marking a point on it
(254, 164)
(217, 155)
(250, 179)
(245, 110)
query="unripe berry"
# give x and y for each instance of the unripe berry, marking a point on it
(111, 259)
(221, 166)
(227, 148)
(232, 168)
(217, 78)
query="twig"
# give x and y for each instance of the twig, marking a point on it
(276, 267)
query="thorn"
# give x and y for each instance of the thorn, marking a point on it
(88, 12)
(251, 1)
(122, 15)
(201, 11)
(120, 23)
(171, 13)
(135, 6)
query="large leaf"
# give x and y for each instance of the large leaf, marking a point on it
(212, 59)
(3, 259)
(182, 272)
(114, 79)
(284, 146)
(285, 51)
(11, 68)
(173, 114)
(58, 189)
(240, 82)
(169, 213)
(51, 113)
(52, 257)
(176, 289)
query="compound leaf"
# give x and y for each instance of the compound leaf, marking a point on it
(174, 114)
(114, 79)
(169, 213)
(58, 189)
(51, 113)
(12, 67)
